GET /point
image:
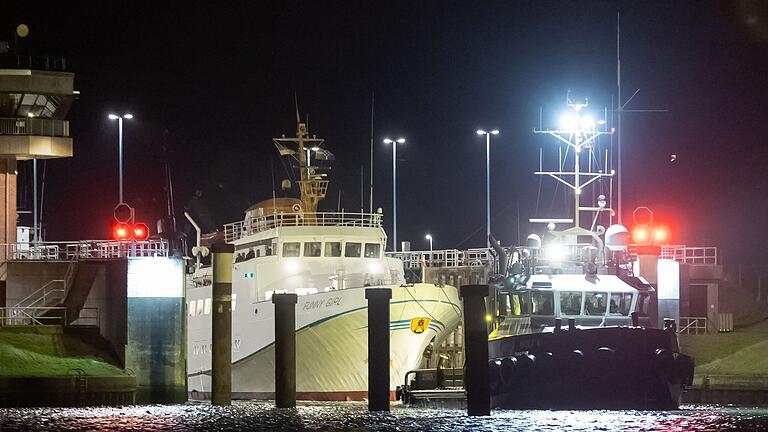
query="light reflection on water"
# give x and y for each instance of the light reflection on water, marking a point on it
(353, 416)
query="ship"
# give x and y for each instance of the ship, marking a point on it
(329, 259)
(571, 324)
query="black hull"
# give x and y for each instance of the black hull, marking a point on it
(597, 368)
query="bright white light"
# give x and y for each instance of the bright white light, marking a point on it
(578, 191)
(128, 116)
(375, 267)
(613, 171)
(555, 252)
(601, 122)
(315, 148)
(155, 277)
(400, 140)
(495, 132)
(428, 237)
(388, 141)
(29, 114)
(569, 121)
(480, 132)
(587, 122)
(113, 117)
(291, 266)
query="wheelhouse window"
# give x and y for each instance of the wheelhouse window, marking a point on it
(312, 249)
(621, 303)
(291, 249)
(518, 303)
(372, 250)
(542, 303)
(352, 250)
(570, 302)
(333, 249)
(596, 303)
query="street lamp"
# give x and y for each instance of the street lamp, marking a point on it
(429, 237)
(120, 144)
(488, 182)
(394, 187)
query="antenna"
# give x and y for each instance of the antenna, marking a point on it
(370, 209)
(296, 102)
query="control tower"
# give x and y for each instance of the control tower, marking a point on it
(36, 93)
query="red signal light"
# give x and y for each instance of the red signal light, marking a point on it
(661, 235)
(140, 231)
(640, 235)
(121, 231)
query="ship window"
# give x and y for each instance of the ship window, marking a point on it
(621, 303)
(333, 249)
(595, 303)
(200, 307)
(191, 308)
(570, 302)
(542, 303)
(291, 249)
(372, 250)
(207, 307)
(352, 250)
(312, 249)
(234, 302)
(517, 303)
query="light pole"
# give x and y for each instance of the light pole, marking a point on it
(488, 182)
(394, 187)
(120, 145)
(429, 237)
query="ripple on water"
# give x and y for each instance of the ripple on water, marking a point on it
(353, 416)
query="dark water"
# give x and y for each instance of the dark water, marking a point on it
(353, 416)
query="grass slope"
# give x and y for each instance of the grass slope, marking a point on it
(742, 352)
(36, 355)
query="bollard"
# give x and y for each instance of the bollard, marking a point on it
(635, 319)
(571, 324)
(221, 327)
(285, 349)
(476, 349)
(378, 348)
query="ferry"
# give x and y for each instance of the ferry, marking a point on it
(329, 259)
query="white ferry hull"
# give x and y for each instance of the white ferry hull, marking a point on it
(331, 342)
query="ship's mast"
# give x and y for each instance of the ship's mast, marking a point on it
(579, 131)
(312, 186)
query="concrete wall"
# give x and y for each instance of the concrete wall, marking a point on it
(24, 277)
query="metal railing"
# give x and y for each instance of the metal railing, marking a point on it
(690, 254)
(34, 126)
(252, 225)
(18, 61)
(444, 258)
(83, 249)
(24, 316)
(693, 325)
(53, 289)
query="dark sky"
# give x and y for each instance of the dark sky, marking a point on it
(213, 82)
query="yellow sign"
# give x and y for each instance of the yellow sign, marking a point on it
(419, 325)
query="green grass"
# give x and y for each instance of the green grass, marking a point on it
(742, 352)
(36, 355)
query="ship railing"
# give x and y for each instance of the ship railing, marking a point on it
(34, 126)
(82, 249)
(252, 225)
(693, 325)
(690, 254)
(38, 62)
(478, 257)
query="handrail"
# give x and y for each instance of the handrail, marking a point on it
(82, 249)
(693, 325)
(21, 302)
(252, 225)
(34, 126)
(32, 316)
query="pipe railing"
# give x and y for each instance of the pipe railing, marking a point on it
(252, 225)
(34, 126)
(83, 249)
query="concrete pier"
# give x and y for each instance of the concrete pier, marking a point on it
(221, 330)
(476, 348)
(378, 348)
(285, 349)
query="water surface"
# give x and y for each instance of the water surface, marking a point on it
(353, 416)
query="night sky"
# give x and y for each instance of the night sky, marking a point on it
(211, 83)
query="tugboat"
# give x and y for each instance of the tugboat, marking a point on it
(570, 325)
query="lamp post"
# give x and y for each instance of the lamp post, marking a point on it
(120, 145)
(394, 188)
(429, 237)
(487, 182)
